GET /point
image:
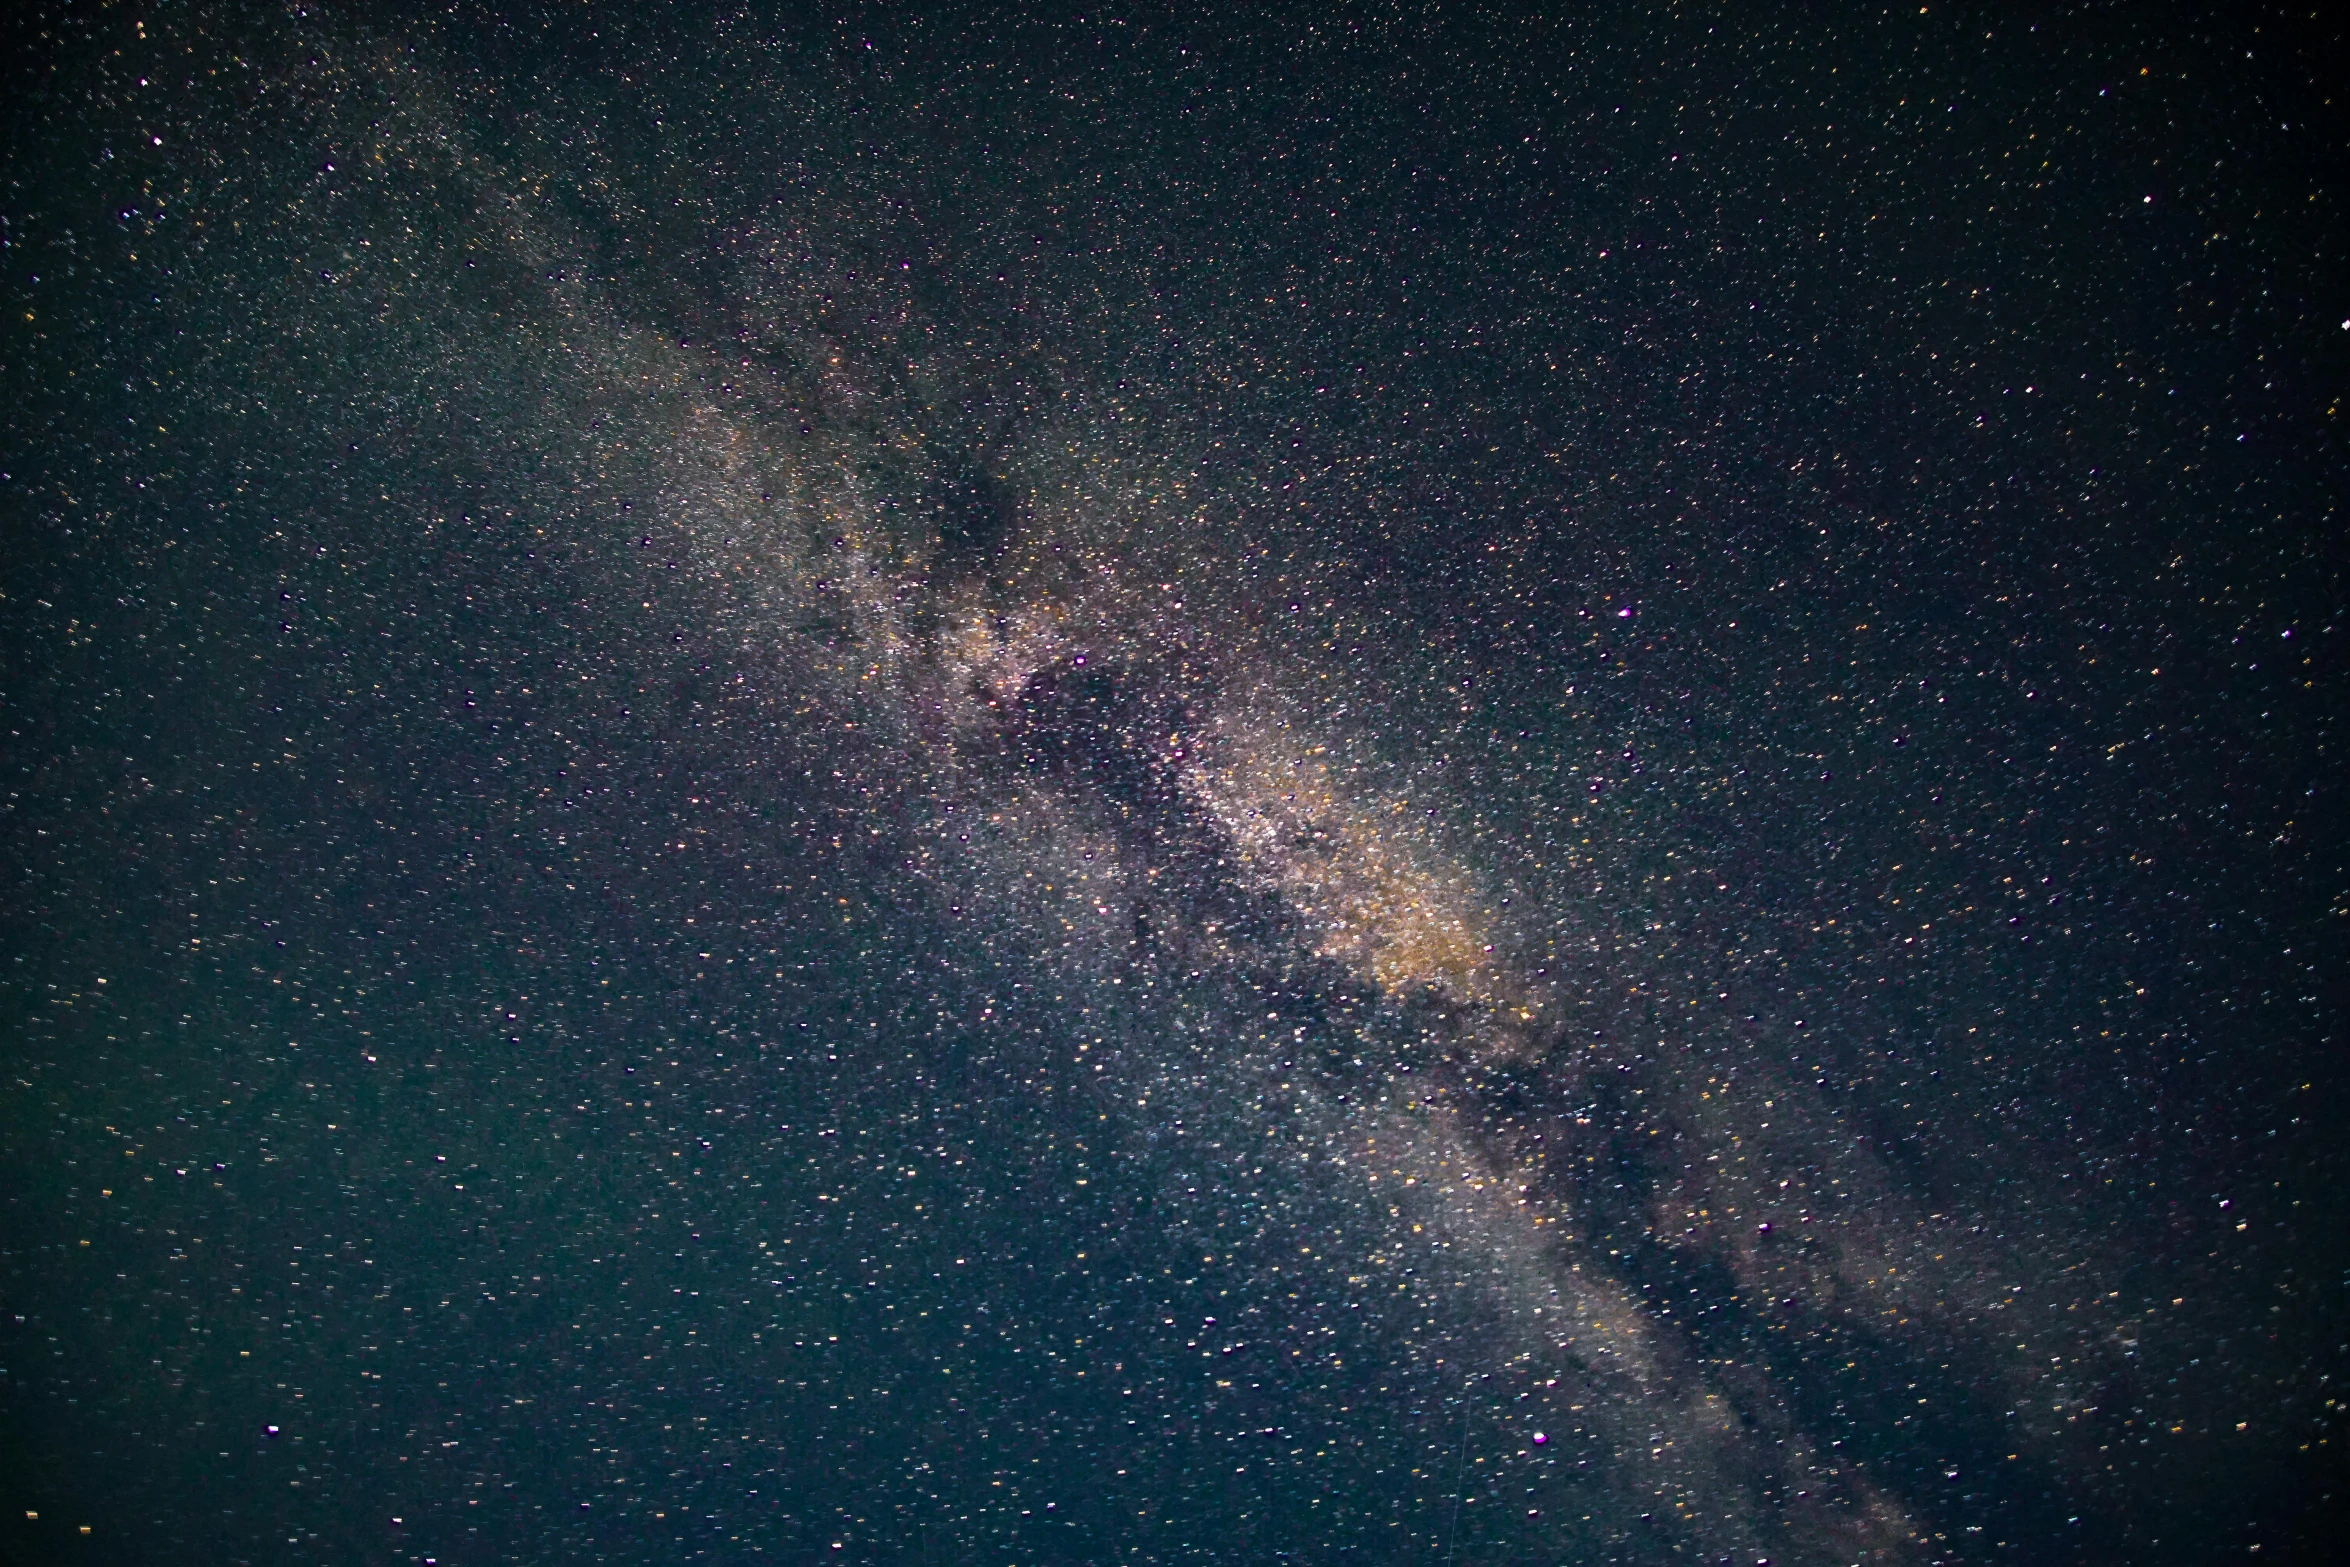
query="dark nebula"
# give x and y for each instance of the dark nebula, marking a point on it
(1359, 785)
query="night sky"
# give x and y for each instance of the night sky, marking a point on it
(1383, 785)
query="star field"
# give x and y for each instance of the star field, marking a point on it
(1375, 785)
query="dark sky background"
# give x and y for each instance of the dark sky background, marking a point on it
(1366, 785)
